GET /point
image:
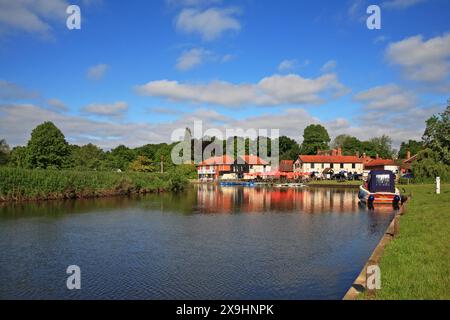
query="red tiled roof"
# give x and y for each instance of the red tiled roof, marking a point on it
(287, 165)
(380, 162)
(330, 159)
(217, 161)
(254, 160)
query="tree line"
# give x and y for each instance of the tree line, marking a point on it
(48, 148)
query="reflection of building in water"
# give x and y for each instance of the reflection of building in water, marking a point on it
(215, 199)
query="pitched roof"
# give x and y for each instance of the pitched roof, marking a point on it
(253, 160)
(380, 162)
(329, 159)
(217, 161)
(287, 165)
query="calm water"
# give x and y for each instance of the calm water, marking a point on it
(206, 243)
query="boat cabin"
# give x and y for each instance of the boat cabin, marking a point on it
(381, 181)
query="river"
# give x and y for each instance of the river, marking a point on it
(208, 242)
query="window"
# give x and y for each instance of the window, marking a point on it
(353, 165)
(312, 165)
(323, 165)
(342, 166)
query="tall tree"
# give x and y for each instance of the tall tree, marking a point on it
(437, 135)
(315, 137)
(47, 147)
(4, 152)
(350, 145)
(381, 146)
(289, 148)
(18, 157)
(412, 146)
(87, 157)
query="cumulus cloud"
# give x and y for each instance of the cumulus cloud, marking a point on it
(192, 58)
(329, 66)
(97, 72)
(116, 109)
(12, 91)
(422, 60)
(387, 97)
(210, 24)
(274, 90)
(31, 16)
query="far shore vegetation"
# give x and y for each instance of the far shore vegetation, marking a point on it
(49, 167)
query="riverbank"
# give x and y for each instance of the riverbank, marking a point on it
(416, 264)
(26, 185)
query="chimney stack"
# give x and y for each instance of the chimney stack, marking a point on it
(339, 151)
(378, 156)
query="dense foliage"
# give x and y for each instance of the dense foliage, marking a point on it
(40, 184)
(315, 137)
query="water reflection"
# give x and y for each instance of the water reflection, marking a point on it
(216, 199)
(205, 243)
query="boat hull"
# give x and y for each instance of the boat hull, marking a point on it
(366, 196)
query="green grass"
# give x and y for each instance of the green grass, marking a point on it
(416, 264)
(337, 183)
(22, 184)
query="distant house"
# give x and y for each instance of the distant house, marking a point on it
(331, 159)
(286, 166)
(227, 168)
(213, 168)
(250, 165)
(382, 164)
(406, 167)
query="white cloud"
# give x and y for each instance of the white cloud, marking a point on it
(31, 16)
(329, 66)
(97, 72)
(287, 65)
(274, 90)
(387, 97)
(116, 109)
(425, 61)
(210, 24)
(401, 4)
(192, 58)
(12, 91)
(57, 104)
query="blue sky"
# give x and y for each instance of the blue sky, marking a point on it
(136, 71)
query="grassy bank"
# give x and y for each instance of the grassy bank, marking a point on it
(416, 264)
(21, 184)
(335, 183)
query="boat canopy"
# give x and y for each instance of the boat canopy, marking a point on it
(381, 181)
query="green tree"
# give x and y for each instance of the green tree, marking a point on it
(4, 152)
(315, 137)
(289, 148)
(350, 145)
(412, 146)
(18, 157)
(86, 157)
(47, 147)
(428, 165)
(142, 164)
(120, 158)
(381, 146)
(437, 135)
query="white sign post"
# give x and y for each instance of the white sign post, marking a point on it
(438, 185)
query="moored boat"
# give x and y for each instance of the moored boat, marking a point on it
(380, 189)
